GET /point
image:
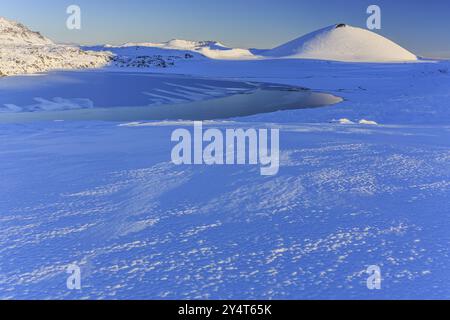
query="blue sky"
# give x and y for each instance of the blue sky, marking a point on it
(421, 26)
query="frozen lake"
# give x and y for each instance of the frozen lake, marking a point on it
(124, 96)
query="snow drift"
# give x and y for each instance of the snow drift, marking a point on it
(343, 43)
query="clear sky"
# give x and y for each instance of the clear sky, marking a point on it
(423, 26)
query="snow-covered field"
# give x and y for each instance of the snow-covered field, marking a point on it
(363, 182)
(106, 196)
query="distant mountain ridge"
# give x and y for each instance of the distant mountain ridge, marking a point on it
(177, 44)
(209, 49)
(339, 42)
(24, 51)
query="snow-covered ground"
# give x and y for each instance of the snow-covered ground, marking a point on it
(363, 182)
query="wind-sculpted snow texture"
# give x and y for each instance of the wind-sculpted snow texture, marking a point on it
(107, 198)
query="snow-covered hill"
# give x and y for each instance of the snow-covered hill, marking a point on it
(343, 43)
(14, 33)
(24, 51)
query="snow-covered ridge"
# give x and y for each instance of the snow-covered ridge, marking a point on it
(23, 51)
(178, 45)
(343, 43)
(209, 49)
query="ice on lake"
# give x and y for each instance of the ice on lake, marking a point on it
(126, 96)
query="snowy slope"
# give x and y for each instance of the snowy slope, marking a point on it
(14, 33)
(343, 43)
(24, 51)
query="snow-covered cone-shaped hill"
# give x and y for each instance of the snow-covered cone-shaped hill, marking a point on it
(24, 51)
(343, 43)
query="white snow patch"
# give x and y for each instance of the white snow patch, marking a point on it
(345, 121)
(368, 122)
